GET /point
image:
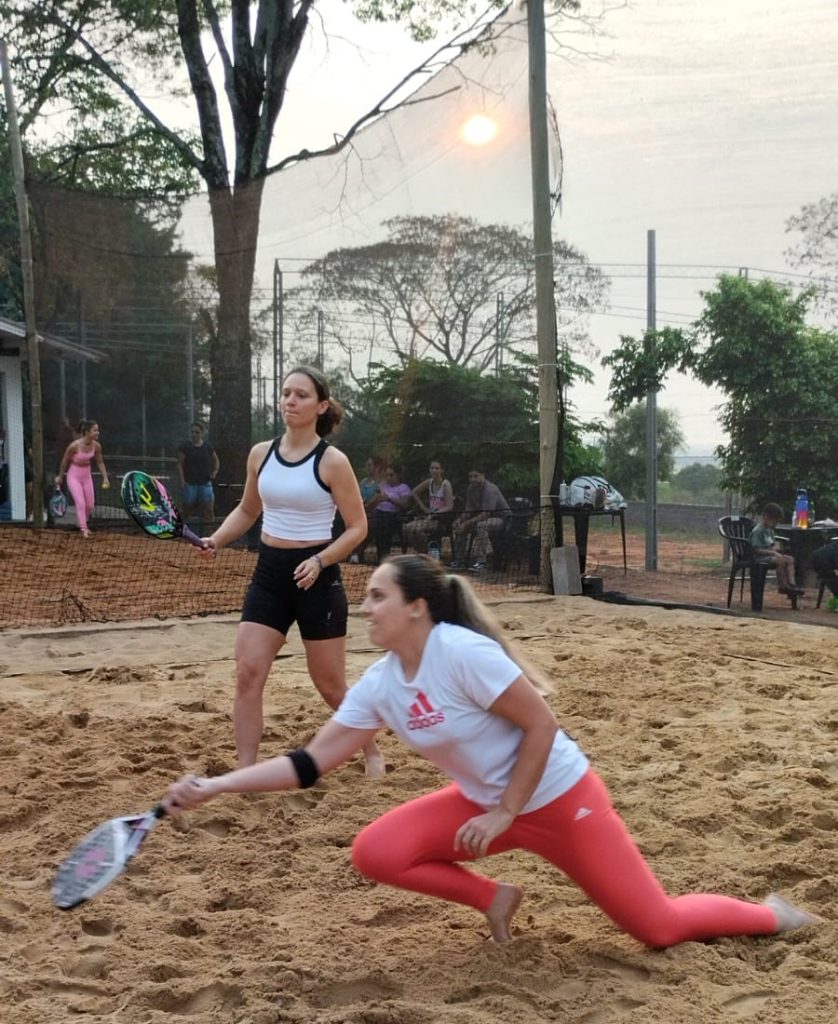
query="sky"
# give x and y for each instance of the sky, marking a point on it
(707, 121)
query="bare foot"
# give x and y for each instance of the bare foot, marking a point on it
(374, 766)
(500, 913)
(788, 915)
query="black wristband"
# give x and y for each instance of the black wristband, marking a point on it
(307, 771)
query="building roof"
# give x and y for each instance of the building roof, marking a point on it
(12, 333)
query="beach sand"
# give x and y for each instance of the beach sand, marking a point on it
(716, 735)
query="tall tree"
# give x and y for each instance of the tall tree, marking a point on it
(780, 379)
(442, 287)
(104, 56)
(816, 250)
(624, 449)
(425, 409)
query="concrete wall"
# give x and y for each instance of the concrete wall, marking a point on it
(691, 518)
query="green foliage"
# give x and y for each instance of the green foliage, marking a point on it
(423, 17)
(781, 381)
(780, 378)
(624, 449)
(11, 283)
(639, 366)
(697, 484)
(428, 410)
(424, 410)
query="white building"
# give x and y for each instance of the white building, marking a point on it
(13, 355)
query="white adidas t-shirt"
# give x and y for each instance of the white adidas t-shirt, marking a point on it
(441, 713)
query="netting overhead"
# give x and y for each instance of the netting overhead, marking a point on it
(458, 145)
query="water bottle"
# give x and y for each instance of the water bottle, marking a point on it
(564, 493)
(801, 509)
(433, 550)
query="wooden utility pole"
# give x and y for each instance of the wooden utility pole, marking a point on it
(26, 264)
(548, 419)
(651, 413)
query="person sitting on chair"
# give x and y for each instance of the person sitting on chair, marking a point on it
(485, 516)
(436, 507)
(764, 545)
(388, 508)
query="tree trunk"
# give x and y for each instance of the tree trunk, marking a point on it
(235, 220)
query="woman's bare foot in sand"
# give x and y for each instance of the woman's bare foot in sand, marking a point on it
(788, 915)
(374, 766)
(500, 913)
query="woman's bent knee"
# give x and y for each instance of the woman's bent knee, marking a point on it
(375, 856)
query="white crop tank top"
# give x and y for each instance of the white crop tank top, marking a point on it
(296, 504)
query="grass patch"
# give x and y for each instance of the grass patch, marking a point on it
(715, 564)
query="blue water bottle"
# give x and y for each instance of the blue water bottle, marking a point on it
(801, 509)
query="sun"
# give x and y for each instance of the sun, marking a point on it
(479, 130)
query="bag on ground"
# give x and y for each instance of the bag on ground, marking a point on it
(58, 505)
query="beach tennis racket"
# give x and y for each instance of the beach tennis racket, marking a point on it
(147, 501)
(101, 857)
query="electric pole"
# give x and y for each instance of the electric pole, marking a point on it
(548, 419)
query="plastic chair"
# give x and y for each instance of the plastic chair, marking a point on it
(821, 590)
(736, 530)
(511, 543)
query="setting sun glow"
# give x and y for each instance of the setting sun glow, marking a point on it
(479, 130)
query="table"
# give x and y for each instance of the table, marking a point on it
(582, 515)
(802, 543)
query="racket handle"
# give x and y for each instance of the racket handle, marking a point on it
(193, 538)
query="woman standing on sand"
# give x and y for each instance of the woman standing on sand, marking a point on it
(450, 689)
(296, 482)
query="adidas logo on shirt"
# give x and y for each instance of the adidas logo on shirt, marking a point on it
(422, 714)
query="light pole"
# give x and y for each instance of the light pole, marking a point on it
(548, 419)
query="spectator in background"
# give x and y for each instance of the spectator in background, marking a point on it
(198, 466)
(764, 545)
(374, 469)
(485, 516)
(437, 506)
(388, 508)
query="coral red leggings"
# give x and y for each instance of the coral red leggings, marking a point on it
(412, 847)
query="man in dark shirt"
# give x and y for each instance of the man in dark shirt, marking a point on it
(485, 516)
(198, 466)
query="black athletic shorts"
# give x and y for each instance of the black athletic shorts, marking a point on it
(273, 598)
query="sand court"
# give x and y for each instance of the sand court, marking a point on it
(716, 735)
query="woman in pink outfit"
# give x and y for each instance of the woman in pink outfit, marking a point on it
(75, 466)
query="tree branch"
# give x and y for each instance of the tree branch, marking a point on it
(98, 61)
(380, 108)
